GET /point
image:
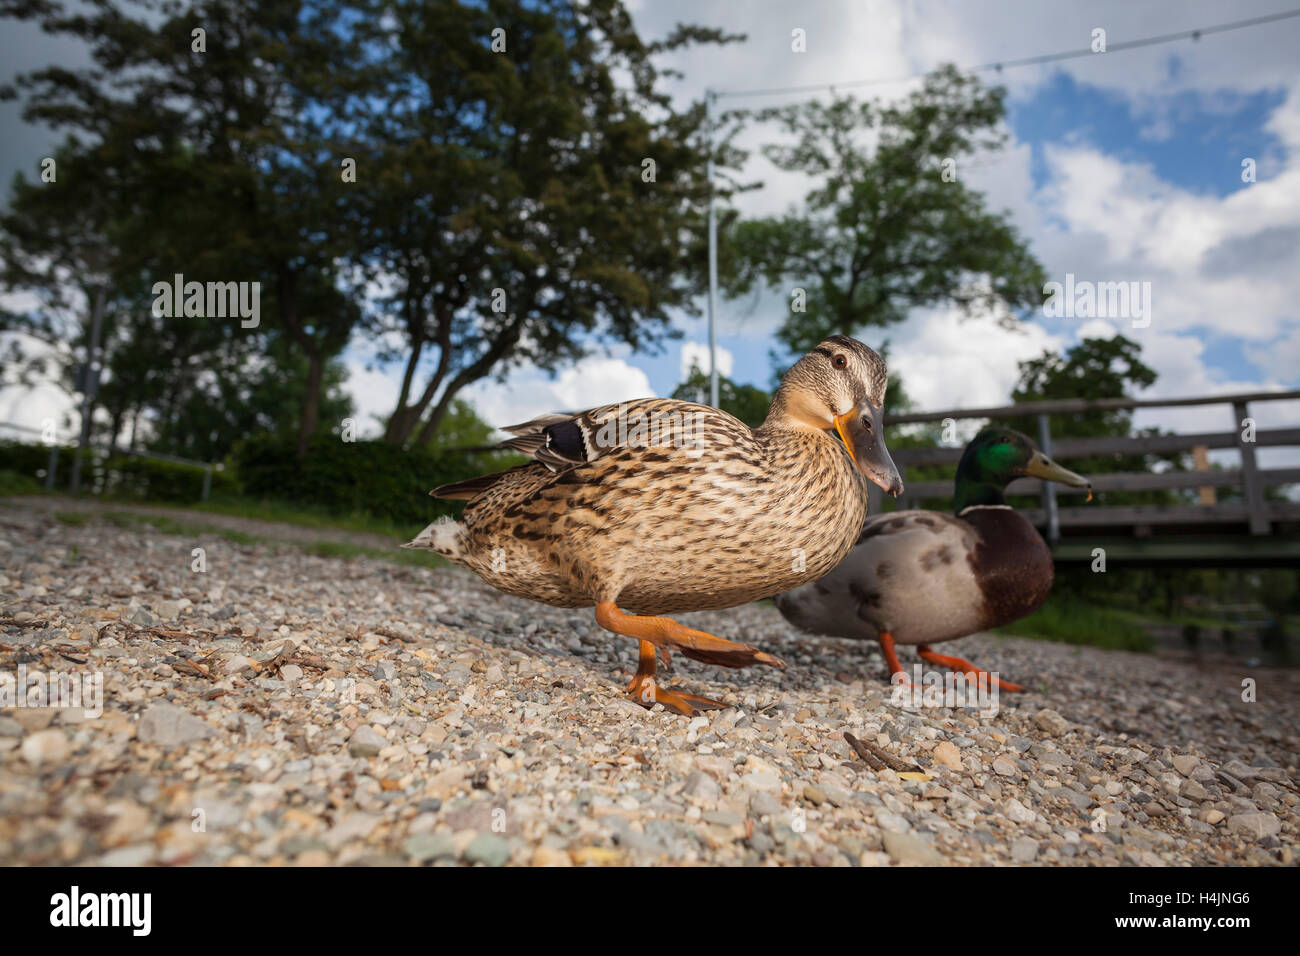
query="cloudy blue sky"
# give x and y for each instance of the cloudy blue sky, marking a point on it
(1122, 166)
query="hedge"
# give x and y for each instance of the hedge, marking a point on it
(342, 478)
(361, 477)
(124, 476)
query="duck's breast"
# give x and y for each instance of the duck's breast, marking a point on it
(1013, 564)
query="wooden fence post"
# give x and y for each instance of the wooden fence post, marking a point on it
(1201, 459)
(1256, 508)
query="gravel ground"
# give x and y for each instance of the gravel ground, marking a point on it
(282, 708)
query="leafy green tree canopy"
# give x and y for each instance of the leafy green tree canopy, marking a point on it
(890, 225)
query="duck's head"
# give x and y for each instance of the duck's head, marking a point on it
(998, 456)
(840, 385)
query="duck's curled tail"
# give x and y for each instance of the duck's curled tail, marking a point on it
(446, 537)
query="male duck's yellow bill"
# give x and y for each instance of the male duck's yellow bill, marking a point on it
(1040, 466)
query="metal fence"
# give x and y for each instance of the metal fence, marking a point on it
(52, 468)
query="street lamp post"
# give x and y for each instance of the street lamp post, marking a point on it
(709, 99)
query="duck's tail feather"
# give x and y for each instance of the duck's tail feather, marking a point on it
(445, 537)
(471, 488)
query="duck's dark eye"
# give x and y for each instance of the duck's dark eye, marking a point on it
(841, 362)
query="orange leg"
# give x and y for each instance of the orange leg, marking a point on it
(957, 664)
(658, 634)
(645, 689)
(697, 645)
(891, 657)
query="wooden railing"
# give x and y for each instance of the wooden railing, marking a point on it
(1254, 510)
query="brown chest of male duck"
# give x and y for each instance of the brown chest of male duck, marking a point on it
(1012, 564)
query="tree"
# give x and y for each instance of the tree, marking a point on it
(749, 403)
(527, 188)
(885, 229)
(211, 155)
(1094, 368)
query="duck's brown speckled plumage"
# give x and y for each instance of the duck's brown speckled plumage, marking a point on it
(739, 515)
(655, 506)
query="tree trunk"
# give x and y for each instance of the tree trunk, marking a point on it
(310, 411)
(479, 369)
(430, 427)
(116, 425)
(311, 400)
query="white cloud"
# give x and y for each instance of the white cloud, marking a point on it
(527, 394)
(1097, 329)
(1279, 358)
(947, 362)
(697, 353)
(30, 408)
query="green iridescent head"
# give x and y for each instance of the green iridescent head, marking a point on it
(998, 456)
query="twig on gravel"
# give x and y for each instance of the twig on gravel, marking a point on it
(874, 756)
(396, 635)
(189, 667)
(167, 634)
(36, 625)
(860, 749)
(308, 660)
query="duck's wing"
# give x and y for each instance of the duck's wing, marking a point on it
(473, 487)
(564, 441)
(918, 528)
(561, 441)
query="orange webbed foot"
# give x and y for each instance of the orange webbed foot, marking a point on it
(958, 664)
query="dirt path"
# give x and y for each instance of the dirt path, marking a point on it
(273, 530)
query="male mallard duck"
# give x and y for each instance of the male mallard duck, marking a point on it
(656, 506)
(921, 577)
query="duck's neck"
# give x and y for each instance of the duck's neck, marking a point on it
(969, 492)
(795, 409)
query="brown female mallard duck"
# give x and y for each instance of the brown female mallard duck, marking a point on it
(658, 506)
(921, 577)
